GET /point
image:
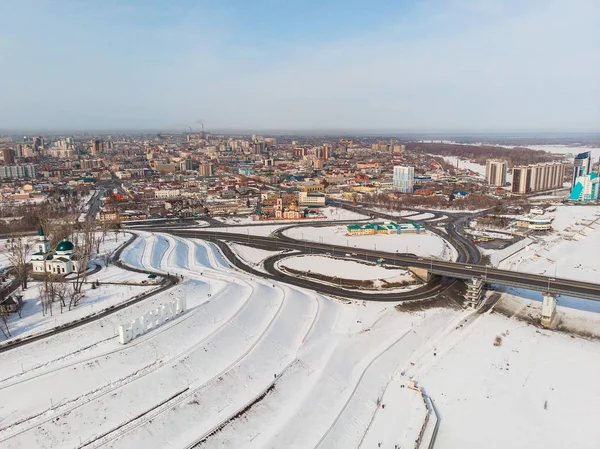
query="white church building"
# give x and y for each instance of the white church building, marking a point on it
(59, 261)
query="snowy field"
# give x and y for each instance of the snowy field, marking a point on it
(262, 230)
(464, 164)
(330, 213)
(567, 251)
(426, 245)
(33, 321)
(345, 269)
(420, 217)
(253, 257)
(570, 151)
(537, 389)
(393, 213)
(303, 370)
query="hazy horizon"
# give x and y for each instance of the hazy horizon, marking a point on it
(405, 67)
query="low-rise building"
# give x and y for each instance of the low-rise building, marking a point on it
(384, 228)
(311, 198)
(535, 223)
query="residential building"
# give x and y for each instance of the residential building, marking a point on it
(310, 187)
(404, 178)
(97, 147)
(585, 189)
(18, 171)
(167, 193)
(311, 199)
(495, 172)
(535, 223)
(205, 170)
(8, 156)
(538, 177)
(581, 166)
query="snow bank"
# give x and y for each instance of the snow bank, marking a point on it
(345, 269)
(426, 244)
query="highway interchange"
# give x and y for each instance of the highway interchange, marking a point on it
(466, 267)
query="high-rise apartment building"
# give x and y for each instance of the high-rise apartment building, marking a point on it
(97, 147)
(8, 156)
(586, 189)
(581, 166)
(538, 177)
(205, 170)
(404, 178)
(495, 172)
(17, 171)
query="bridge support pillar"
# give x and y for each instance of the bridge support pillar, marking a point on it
(474, 291)
(548, 309)
(421, 273)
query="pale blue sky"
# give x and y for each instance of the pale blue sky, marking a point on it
(410, 65)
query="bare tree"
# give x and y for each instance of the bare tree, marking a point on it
(57, 229)
(85, 243)
(19, 300)
(18, 253)
(116, 224)
(74, 297)
(46, 292)
(4, 324)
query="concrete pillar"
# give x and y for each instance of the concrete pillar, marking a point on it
(548, 308)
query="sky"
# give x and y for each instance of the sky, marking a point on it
(377, 65)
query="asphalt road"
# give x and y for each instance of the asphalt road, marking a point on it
(428, 290)
(467, 250)
(459, 270)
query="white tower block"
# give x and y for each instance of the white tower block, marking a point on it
(548, 308)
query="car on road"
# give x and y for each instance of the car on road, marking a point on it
(469, 267)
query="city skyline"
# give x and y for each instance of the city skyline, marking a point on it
(455, 66)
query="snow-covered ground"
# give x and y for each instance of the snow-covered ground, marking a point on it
(263, 230)
(426, 244)
(95, 300)
(393, 213)
(537, 389)
(420, 217)
(33, 321)
(302, 369)
(466, 165)
(566, 252)
(568, 150)
(345, 269)
(330, 213)
(252, 256)
(440, 218)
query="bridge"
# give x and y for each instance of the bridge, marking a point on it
(456, 270)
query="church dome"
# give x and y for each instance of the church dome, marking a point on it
(65, 245)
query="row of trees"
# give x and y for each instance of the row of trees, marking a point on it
(471, 202)
(481, 153)
(86, 239)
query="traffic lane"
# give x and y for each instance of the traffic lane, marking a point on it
(437, 286)
(454, 268)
